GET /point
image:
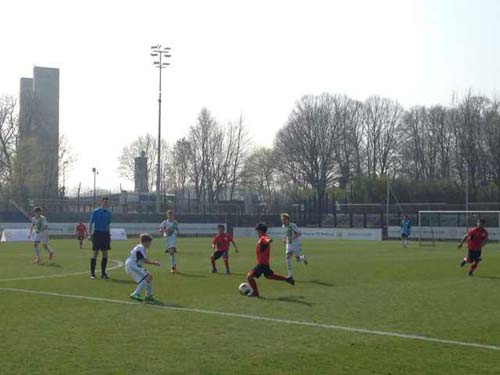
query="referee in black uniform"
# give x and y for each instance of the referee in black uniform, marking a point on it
(100, 236)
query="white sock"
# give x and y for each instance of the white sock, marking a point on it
(302, 258)
(37, 251)
(172, 260)
(140, 287)
(289, 266)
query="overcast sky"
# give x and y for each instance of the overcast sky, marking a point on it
(254, 58)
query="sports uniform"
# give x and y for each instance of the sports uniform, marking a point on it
(41, 229)
(476, 239)
(263, 253)
(221, 242)
(293, 245)
(81, 229)
(405, 228)
(170, 228)
(134, 262)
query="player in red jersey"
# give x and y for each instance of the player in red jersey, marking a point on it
(476, 238)
(263, 252)
(220, 244)
(81, 233)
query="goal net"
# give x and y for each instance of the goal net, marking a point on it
(451, 225)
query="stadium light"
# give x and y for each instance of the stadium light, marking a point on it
(160, 53)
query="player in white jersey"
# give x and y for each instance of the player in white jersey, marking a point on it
(170, 229)
(133, 266)
(293, 247)
(41, 228)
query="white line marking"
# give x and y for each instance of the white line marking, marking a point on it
(267, 319)
(117, 262)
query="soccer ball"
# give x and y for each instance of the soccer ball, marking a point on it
(245, 289)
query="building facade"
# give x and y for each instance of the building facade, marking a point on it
(38, 150)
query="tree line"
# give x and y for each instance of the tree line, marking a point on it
(334, 145)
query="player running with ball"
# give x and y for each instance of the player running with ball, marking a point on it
(476, 238)
(39, 224)
(293, 247)
(170, 229)
(133, 266)
(263, 252)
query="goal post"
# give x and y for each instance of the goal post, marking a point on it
(451, 225)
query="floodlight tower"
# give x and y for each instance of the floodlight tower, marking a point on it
(160, 54)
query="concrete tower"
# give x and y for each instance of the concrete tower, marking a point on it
(39, 133)
(141, 174)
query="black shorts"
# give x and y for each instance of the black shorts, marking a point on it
(261, 269)
(474, 256)
(218, 254)
(101, 241)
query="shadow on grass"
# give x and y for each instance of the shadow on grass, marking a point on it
(489, 277)
(122, 281)
(183, 274)
(159, 304)
(318, 282)
(291, 299)
(53, 265)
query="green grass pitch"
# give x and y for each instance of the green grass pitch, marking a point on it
(377, 286)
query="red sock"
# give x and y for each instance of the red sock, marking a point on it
(253, 284)
(226, 263)
(213, 262)
(277, 277)
(474, 266)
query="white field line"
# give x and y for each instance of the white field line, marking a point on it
(117, 262)
(267, 319)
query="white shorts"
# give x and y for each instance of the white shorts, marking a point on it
(294, 249)
(135, 272)
(42, 237)
(171, 241)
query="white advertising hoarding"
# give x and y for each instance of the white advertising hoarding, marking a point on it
(19, 231)
(364, 234)
(440, 233)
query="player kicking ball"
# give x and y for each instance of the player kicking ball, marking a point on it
(170, 229)
(41, 228)
(220, 245)
(476, 238)
(263, 252)
(293, 247)
(133, 266)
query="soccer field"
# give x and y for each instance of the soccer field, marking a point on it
(357, 308)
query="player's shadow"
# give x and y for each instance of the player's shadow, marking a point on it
(319, 282)
(183, 274)
(122, 281)
(291, 299)
(489, 277)
(53, 265)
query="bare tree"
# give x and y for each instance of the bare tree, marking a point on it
(492, 141)
(260, 174)
(381, 127)
(237, 145)
(9, 134)
(149, 145)
(306, 145)
(180, 165)
(348, 115)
